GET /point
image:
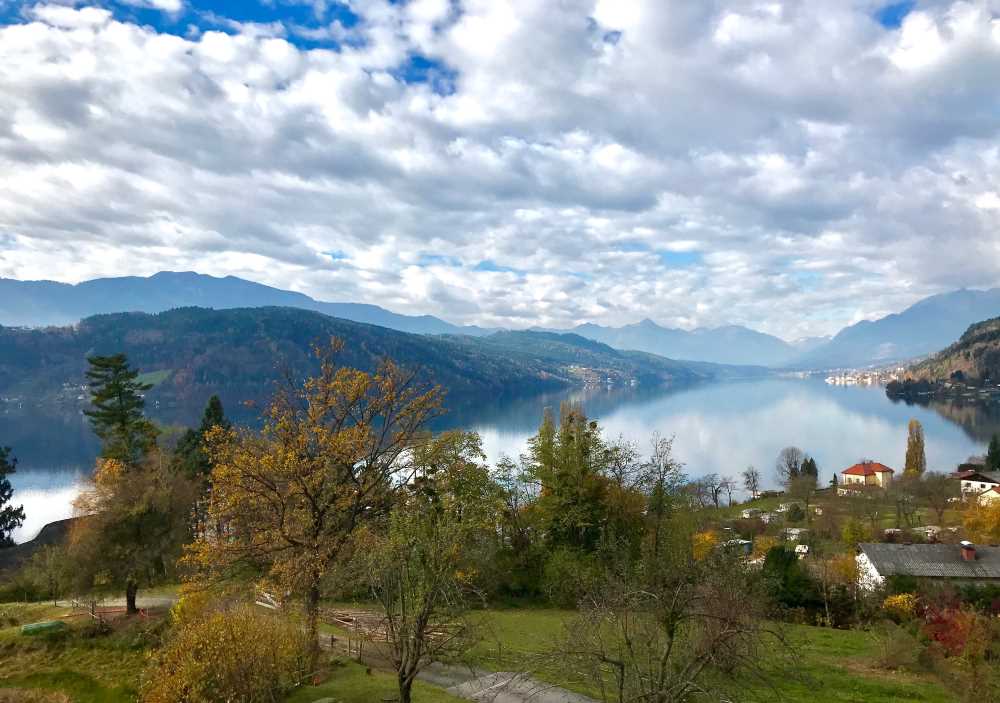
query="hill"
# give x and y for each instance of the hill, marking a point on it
(923, 328)
(44, 303)
(239, 353)
(730, 344)
(974, 357)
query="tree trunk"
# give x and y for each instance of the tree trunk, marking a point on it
(312, 625)
(131, 589)
(405, 688)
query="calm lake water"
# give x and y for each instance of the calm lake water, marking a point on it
(719, 428)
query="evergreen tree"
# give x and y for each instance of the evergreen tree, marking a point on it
(190, 456)
(993, 454)
(116, 396)
(916, 460)
(10, 517)
(834, 481)
(809, 468)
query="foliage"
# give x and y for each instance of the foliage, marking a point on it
(288, 500)
(239, 654)
(703, 543)
(133, 524)
(795, 513)
(10, 517)
(916, 459)
(900, 607)
(993, 453)
(982, 522)
(423, 570)
(568, 575)
(189, 455)
(854, 532)
(116, 416)
(788, 581)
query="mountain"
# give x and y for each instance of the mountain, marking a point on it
(239, 354)
(975, 356)
(923, 328)
(722, 345)
(43, 303)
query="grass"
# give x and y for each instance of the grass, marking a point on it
(831, 666)
(350, 683)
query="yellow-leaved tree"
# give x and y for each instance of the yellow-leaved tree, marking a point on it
(982, 523)
(287, 501)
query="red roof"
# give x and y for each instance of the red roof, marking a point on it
(867, 468)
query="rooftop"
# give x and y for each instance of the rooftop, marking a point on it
(867, 468)
(932, 560)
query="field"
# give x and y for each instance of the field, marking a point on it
(830, 666)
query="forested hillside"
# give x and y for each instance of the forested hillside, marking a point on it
(239, 353)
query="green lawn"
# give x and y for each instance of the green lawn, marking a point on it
(351, 684)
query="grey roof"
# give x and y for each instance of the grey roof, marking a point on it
(933, 561)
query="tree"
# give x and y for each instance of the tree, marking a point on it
(116, 415)
(788, 465)
(809, 468)
(938, 491)
(422, 572)
(803, 487)
(665, 480)
(133, 524)
(730, 486)
(190, 455)
(751, 481)
(11, 517)
(916, 460)
(834, 481)
(982, 522)
(993, 454)
(675, 628)
(291, 498)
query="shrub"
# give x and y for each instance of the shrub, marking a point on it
(796, 513)
(900, 607)
(567, 576)
(240, 654)
(896, 648)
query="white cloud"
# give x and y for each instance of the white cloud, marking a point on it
(689, 169)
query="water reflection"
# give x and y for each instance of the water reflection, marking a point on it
(719, 428)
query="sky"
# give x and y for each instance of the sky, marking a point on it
(791, 166)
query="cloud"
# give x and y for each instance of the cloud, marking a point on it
(518, 163)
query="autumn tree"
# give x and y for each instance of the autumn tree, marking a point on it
(133, 523)
(117, 409)
(982, 522)
(11, 517)
(423, 570)
(916, 460)
(751, 481)
(788, 465)
(329, 460)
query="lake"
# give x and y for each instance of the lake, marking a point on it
(719, 428)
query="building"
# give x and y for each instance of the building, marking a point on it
(795, 534)
(750, 513)
(990, 496)
(863, 476)
(976, 481)
(963, 563)
(768, 518)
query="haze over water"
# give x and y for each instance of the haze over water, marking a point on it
(719, 428)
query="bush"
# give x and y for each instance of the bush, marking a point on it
(901, 607)
(567, 576)
(896, 648)
(240, 654)
(796, 513)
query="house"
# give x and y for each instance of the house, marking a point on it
(864, 475)
(990, 496)
(795, 534)
(930, 532)
(963, 563)
(768, 518)
(976, 481)
(802, 550)
(785, 507)
(817, 510)
(750, 513)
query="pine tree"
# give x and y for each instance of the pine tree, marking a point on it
(10, 517)
(993, 454)
(190, 456)
(834, 481)
(116, 396)
(809, 468)
(916, 460)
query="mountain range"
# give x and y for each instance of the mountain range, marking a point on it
(922, 329)
(190, 353)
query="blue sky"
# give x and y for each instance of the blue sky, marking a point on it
(790, 166)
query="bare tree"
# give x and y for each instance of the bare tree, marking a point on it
(624, 465)
(730, 486)
(663, 482)
(938, 491)
(751, 481)
(661, 634)
(788, 465)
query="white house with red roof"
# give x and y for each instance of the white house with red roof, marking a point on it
(865, 475)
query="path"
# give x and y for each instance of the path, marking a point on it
(496, 687)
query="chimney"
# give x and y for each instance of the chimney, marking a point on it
(968, 551)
